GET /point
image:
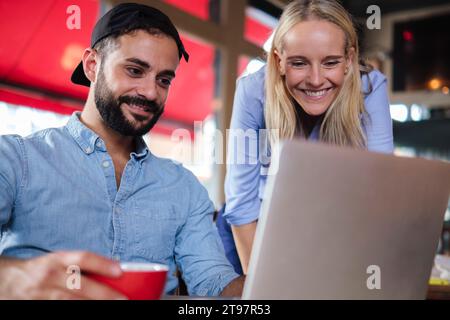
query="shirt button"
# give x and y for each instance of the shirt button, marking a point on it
(105, 164)
(117, 211)
(88, 150)
(99, 144)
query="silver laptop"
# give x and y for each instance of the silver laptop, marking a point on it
(339, 223)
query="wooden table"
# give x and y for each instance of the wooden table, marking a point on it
(438, 292)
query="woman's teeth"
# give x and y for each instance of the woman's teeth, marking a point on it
(316, 93)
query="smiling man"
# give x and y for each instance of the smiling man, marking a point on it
(92, 194)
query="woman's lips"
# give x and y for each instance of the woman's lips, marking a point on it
(316, 94)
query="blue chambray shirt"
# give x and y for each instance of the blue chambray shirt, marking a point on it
(58, 192)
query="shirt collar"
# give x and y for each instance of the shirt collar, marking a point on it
(87, 139)
(141, 149)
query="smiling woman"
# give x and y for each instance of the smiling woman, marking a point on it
(314, 86)
(313, 65)
(313, 74)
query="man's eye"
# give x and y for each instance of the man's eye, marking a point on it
(134, 71)
(165, 82)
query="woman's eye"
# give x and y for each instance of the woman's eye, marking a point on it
(331, 63)
(298, 64)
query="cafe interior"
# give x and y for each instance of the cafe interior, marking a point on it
(227, 39)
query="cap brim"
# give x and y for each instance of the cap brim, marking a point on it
(78, 76)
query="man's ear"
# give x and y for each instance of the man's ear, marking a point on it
(279, 62)
(91, 60)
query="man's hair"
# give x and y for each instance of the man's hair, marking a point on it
(126, 18)
(111, 43)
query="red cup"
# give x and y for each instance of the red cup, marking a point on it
(139, 281)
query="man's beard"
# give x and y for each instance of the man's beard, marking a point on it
(112, 114)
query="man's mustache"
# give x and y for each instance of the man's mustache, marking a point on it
(150, 105)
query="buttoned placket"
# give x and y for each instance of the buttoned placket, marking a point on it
(119, 197)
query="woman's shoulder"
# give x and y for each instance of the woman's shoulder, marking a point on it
(372, 80)
(257, 76)
(253, 83)
(249, 101)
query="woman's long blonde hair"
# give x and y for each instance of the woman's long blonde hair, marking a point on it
(341, 124)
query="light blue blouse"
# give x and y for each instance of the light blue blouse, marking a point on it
(245, 180)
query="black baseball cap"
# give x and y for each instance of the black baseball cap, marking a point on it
(125, 18)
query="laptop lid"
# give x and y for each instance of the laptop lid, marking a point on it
(339, 223)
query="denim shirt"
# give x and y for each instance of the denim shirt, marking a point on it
(245, 181)
(58, 192)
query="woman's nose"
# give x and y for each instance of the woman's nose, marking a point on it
(315, 77)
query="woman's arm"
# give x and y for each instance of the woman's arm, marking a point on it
(243, 237)
(378, 124)
(243, 163)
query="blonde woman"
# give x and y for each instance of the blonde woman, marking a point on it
(313, 86)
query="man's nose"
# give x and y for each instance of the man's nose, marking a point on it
(315, 77)
(148, 89)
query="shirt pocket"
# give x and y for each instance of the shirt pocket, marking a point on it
(155, 225)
